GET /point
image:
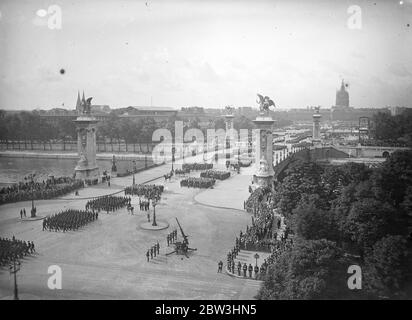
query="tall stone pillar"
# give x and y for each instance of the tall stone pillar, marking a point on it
(316, 126)
(264, 173)
(86, 168)
(229, 137)
(263, 176)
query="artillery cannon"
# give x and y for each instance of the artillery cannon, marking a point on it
(182, 247)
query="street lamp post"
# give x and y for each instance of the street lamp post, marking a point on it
(256, 256)
(14, 268)
(134, 170)
(154, 224)
(155, 199)
(30, 177)
(173, 157)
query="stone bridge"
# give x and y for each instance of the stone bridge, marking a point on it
(369, 151)
(308, 154)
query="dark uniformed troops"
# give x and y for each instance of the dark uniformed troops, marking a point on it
(192, 182)
(69, 220)
(22, 213)
(262, 271)
(29, 190)
(250, 270)
(239, 268)
(108, 203)
(171, 237)
(144, 205)
(220, 266)
(244, 270)
(144, 190)
(153, 251)
(256, 271)
(13, 249)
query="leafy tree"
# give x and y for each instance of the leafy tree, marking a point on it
(394, 177)
(369, 220)
(312, 223)
(387, 267)
(313, 269)
(302, 179)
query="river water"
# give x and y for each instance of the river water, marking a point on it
(13, 170)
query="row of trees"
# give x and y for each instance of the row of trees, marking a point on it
(394, 129)
(341, 216)
(30, 127)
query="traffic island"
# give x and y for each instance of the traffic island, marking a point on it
(160, 225)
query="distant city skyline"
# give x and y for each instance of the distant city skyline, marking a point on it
(207, 54)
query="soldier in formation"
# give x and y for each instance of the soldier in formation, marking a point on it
(13, 249)
(193, 182)
(171, 237)
(144, 205)
(51, 188)
(148, 191)
(197, 166)
(153, 251)
(108, 203)
(220, 266)
(250, 268)
(70, 219)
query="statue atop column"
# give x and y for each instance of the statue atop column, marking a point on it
(264, 173)
(229, 110)
(86, 127)
(86, 106)
(264, 104)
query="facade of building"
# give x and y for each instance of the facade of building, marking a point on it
(159, 114)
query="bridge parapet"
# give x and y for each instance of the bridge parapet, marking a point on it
(308, 154)
(369, 151)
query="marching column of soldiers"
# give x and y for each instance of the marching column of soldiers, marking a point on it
(144, 190)
(68, 220)
(193, 182)
(48, 189)
(108, 203)
(13, 249)
(153, 251)
(171, 237)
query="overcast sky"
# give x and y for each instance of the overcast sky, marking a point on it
(204, 53)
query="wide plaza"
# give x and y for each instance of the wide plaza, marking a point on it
(106, 259)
